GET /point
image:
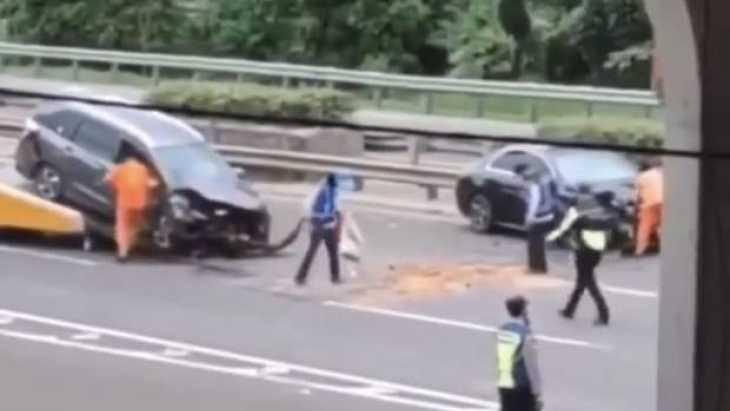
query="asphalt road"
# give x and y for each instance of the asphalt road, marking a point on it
(78, 331)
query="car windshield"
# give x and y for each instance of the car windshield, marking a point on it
(591, 167)
(192, 161)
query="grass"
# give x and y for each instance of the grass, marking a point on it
(458, 105)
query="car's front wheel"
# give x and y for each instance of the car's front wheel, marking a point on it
(480, 213)
(48, 183)
(162, 234)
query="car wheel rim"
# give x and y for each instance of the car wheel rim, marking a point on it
(481, 213)
(163, 234)
(48, 183)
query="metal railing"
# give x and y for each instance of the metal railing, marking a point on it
(430, 178)
(377, 83)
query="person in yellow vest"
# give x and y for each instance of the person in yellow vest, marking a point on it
(518, 380)
(132, 182)
(591, 223)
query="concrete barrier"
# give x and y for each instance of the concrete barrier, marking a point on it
(20, 210)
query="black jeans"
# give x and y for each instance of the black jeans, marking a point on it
(586, 261)
(536, 260)
(329, 236)
(517, 400)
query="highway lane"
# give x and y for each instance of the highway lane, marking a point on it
(250, 307)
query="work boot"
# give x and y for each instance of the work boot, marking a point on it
(300, 282)
(337, 281)
(565, 314)
(601, 322)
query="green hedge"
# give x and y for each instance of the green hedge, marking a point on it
(606, 130)
(254, 99)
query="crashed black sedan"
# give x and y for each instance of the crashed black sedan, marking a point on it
(68, 148)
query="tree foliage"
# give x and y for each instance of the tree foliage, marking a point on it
(560, 40)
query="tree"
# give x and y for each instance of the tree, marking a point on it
(515, 20)
(120, 24)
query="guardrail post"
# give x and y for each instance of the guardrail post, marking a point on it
(480, 106)
(432, 193)
(415, 148)
(590, 109)
(428, 103)
(239, 77)
(114, 70)
(156, 75)
(534, 111)
(285, 82)
(378, 97)
(36, 66)
(75, 70)
(196, 75)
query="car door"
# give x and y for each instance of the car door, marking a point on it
(96, 146)
(508, 189)
(55, 144)
(536, 164)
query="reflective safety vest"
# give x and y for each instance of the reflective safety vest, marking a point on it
(511, 367)
(593, 228)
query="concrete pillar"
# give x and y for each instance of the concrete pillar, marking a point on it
(694, 329)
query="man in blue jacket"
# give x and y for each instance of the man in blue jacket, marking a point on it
(324, 217)
(518, 378)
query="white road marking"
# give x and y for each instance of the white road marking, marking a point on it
(48, 256)
(86, 337)
(172, 352)
(6, 320)
(630, 292)
(276, 369)
(459, 324)
(335, 382)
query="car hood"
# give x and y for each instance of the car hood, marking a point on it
(235, 193)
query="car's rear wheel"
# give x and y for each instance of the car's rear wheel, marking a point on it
(480, 213)
(48, 183)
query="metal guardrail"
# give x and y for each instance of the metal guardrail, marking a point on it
(378, 82)
(429, 178)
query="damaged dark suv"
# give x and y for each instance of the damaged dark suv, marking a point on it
(68, 148)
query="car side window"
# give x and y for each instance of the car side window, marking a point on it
(537, 164)
(99, 139)
(509, 160)
(64, 122)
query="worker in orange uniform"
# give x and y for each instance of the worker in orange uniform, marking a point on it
(650, 201)
(132, 182)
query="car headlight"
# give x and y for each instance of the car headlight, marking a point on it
(180, 206)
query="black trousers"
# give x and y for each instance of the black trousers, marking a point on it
(517, 400)
(586, 261)
(329, 237)
(536, 260)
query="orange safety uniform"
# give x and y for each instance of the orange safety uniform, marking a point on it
(132, 182)
(650, 193)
